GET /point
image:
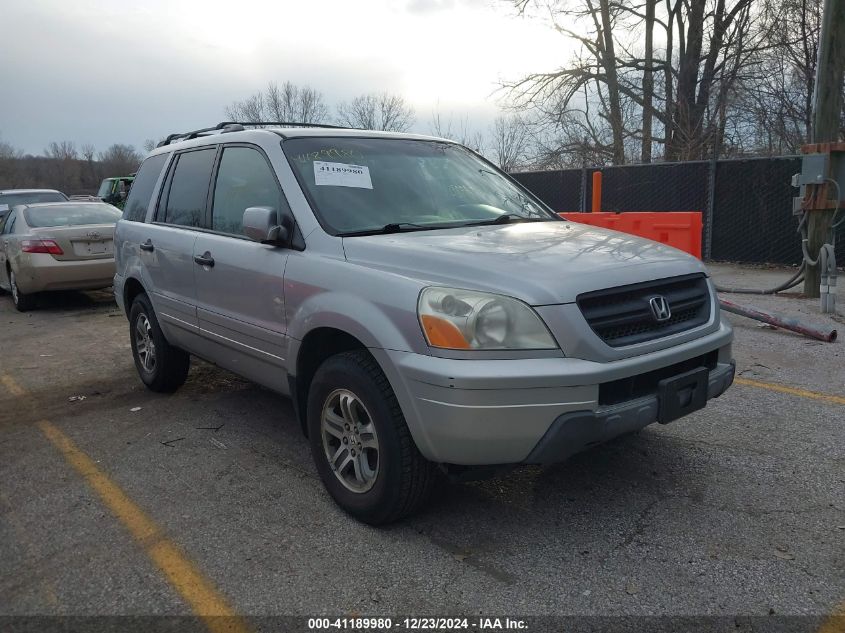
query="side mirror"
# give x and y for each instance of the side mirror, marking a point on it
(262, 225)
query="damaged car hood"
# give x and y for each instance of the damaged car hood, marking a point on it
(541, 263)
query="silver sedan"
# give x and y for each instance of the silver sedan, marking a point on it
(56, 246)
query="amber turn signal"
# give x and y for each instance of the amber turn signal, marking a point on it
(442, 333)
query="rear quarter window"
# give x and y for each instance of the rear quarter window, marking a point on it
(141, 192)
(71, 215)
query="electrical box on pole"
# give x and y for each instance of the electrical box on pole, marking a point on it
(820, 197)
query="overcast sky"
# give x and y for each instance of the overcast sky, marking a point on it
(106, 71)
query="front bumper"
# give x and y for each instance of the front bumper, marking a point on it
(484, 412)
(572, 433)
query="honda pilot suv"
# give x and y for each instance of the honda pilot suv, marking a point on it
(423, 311)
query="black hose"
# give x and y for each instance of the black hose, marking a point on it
(798, 277)
(793, 281)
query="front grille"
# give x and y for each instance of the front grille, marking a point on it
(623, 315)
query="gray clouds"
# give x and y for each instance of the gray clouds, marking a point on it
(109, 72)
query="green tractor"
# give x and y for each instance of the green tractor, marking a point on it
(115, 190)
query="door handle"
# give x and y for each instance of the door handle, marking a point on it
(147, 246)
(205, 259)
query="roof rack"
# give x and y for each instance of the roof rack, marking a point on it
(238, 126)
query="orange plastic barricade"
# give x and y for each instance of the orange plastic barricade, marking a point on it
(681, 229)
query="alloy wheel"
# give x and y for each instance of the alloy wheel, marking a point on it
(350, 441)
(144, 343)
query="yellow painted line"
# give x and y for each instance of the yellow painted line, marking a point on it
(794, 391)
(835, 622)
(204, 600)
(14, 388)
(182, 574)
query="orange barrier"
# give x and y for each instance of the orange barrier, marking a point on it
(681, 229)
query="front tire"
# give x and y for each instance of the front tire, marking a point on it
(161, 366)
(361, 444)
(23, 302)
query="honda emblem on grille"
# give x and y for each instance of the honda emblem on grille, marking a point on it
(660, 308)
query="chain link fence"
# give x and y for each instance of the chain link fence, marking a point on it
(746, 204)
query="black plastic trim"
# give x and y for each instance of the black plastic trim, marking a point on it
(578, 431)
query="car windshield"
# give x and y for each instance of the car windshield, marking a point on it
(105, 189)
(360, 185)
(71, 215)
(31, 197)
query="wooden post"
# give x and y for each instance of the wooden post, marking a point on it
(827, 107)
(596, 208)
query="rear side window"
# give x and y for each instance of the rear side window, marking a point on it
(244, 180)
(188, 191)
(142, 189)
(71, 215)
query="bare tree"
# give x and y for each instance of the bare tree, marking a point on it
(65, 165)
(10, 159)
(90, 167)
(293, 103)
(648, 81)
(509, 141)
(288, 102)
(88, 151)
(250, 110)
(62, 150)
(120, 160)
(460, 131)
(377, 111)
(776, 117)
(677, 95)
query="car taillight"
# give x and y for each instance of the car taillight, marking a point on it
(41, 246)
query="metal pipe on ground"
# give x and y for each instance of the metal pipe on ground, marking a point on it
(779, 320)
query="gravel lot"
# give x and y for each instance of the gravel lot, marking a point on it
(734, 511)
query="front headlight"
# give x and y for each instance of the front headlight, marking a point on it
(466, 319)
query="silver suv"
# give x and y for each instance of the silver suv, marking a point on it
(423, 310)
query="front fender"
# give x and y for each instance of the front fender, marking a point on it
(377, 308)
(353, 315)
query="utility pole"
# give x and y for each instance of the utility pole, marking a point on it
(827, 110)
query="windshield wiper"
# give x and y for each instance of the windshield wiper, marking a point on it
(507, 218)
(396, 227)
(393, 227)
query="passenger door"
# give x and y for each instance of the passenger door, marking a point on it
(167, 245)
(239, 282)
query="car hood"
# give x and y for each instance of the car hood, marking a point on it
(541, 263)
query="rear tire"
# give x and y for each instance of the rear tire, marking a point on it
(23, 302)
(161, 366)
(381, 477)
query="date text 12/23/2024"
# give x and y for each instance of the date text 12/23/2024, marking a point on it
(418, 624)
